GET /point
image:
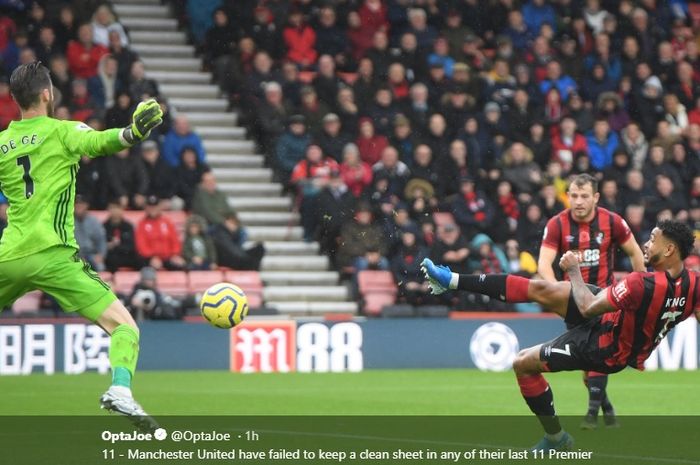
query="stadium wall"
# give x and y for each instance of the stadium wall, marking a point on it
(27, 346)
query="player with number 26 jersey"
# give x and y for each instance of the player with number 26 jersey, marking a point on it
(595, 233)
(595, 240)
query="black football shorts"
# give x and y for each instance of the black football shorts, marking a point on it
(579, 349)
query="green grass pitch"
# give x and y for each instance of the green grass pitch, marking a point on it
(372, 392)
(249, 399)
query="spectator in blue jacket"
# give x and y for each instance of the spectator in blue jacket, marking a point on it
(564, 83)
(201, 16)
(179, 137)
(291, 147)
(539, 12)
(517, 30)
(596, 84)
(605, 57)
(602, 143)
(441, 56)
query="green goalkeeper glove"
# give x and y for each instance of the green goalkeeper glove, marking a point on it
(147, 116)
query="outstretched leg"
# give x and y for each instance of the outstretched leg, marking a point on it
(505, 287)
(555, 297)
(538, 395)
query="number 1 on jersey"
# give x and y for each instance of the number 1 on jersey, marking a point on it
(28, 181)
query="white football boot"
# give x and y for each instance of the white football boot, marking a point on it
(119, 399)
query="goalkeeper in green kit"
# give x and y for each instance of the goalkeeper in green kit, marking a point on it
(39, 159)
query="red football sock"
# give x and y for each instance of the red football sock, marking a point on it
(516, 288)
(532, 385)
(540, 399)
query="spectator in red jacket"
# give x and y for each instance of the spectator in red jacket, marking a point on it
(364, 23)
(567, 142)
(373, 16)
(370, 144)
(7, 31)
(694, 114)
(300, 40)
(8, 108)
(157, 240)
(83, 54)
(309, 176)
(81, 104)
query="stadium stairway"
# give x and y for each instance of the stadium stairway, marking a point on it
(297, 279)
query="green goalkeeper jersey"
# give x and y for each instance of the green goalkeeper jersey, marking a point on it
(38, 167)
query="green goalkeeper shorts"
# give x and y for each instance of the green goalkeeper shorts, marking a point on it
(61, 273)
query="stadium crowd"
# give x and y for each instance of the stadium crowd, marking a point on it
(381, 114)
(404, 128)
(99, 80)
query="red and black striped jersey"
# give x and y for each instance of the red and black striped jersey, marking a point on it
(649, 305)
(596, 240)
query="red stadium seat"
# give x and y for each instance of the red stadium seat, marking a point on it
(372, 281)
(255, 299)
(28, 303)
(172, 283)
(179, 218)
(349, 78)
(377, 289)
(124, 281)
(133, 216)
(101, 215)
(376, 301)
(199, 281)
(244, 279)
(250, 282)
(107, 277)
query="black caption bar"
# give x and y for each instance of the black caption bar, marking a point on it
(70, 440)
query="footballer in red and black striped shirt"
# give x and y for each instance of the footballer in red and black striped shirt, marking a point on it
(594, 233)
(639, 311)
(615, 327)
(626, 321)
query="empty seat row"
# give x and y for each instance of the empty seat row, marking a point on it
(174, 283)
(180, 283)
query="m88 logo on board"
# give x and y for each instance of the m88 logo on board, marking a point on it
(284, 346)
(264, 347)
